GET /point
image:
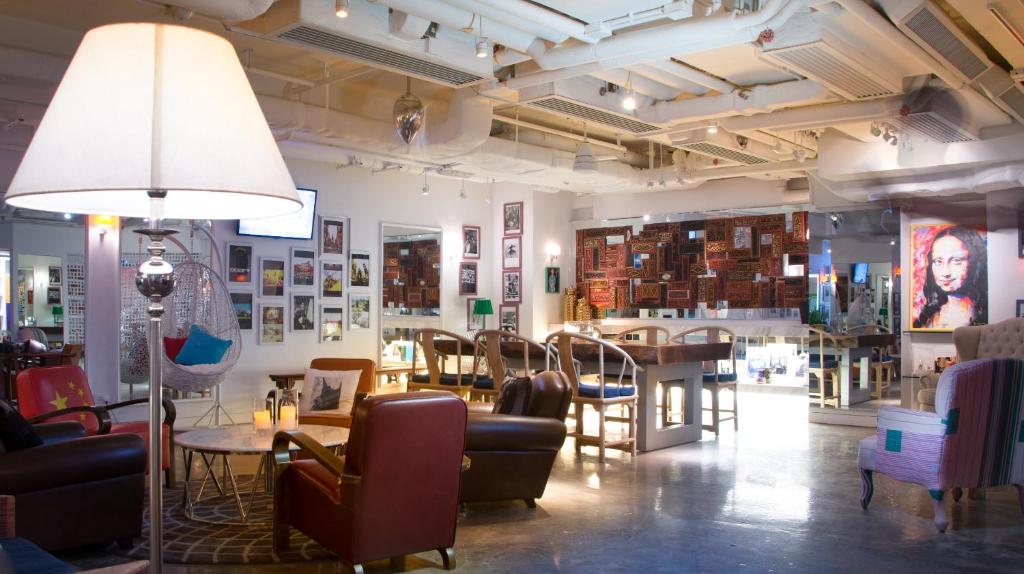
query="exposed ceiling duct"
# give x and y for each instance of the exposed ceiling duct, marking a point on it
(759, 99)
(581, 98)
(225, 10)
(725, 147)
(806, 118)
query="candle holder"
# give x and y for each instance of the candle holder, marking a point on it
(261, 416)
(287, 411)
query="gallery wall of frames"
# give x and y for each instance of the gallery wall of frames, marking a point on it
(322, 288)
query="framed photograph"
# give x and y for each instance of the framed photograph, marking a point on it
(767, 239)
(508, 318)
(949, 277)
(513, 218)
(242, 302)
(55, 275)
(332, 236)
(239, 264)
(470, 242)
(468, 278)
(552, 280)
(332, 323)
(473, 322)
(511, 287)
(271, 277)
(332, 275)
(303, 268)
(53, 295)
(271, 325)
(302, 313)
(742, 238)
(359, 269)
(511, 252)
(1020, 308)
(358, 311)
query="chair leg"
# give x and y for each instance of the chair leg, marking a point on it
(957, 493)
(715, 411)
(665, 394)
(579, 426)
(447, 558)
(356, 568)
(600, 433)
(632, 428)
(530, 502)
(868, 489)
(398, 563)
(735, 407)
(941, 520)
(282, 536)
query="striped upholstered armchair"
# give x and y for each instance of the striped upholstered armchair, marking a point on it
(975, 439)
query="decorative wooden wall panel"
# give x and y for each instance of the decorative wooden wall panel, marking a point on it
(678, 265)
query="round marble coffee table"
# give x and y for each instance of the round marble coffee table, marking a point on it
(239, 440)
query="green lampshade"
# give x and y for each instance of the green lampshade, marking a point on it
(483, 307)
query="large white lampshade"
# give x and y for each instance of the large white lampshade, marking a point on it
(154, 107)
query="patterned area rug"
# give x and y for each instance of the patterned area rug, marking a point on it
(191, 542)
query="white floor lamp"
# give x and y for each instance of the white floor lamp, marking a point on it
(157, 121)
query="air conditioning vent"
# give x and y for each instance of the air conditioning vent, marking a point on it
(366, 53)
(1013, 101)
(719, 152)
(725, 147)
(1003, 90)
(563, 106)
(837, 66)
(936, 115)
(934, 127)
(937, 34)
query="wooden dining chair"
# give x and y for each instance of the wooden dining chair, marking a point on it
(713, 379)
(883, 368)
(436, 378)
(599, 395)
(488, 349)
(824, 366)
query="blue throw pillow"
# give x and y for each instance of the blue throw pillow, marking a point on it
(202, 348)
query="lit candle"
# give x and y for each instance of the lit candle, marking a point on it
(261, 419)
(287, 418)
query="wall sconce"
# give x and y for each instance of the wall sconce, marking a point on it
(105, 223)
(553, 251)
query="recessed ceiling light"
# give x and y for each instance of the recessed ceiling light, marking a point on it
(67, 216)
(341, 8)
(647, 217)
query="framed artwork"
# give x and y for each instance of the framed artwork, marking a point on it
(332, 236)
(239, 263)
(511, 287)
(271, 277)
(55, 275)
(302, 313)
(271, 324)
(471, 242)
(303, 268)
(53, 295)
(1020, 308)
(358, 311)
(331, 277)
(513, 218)
(332, 323)
(473, 322)
(468, 278)
(508, 318)
(511, 252)
(767, 238)
(359, 269)
(1020, 235)
(242, 302)
(742, 238)
(949, 276)
(552, 280)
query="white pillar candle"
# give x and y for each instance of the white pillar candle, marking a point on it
(287, 419)
(261, 419)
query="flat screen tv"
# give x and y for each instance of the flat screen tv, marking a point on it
(860, 273)
(298, 225)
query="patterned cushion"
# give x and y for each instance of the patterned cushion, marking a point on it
(202, 348)
(483, 383)
(830, 361)
(593, 390)
(446, 379)
(722, 377)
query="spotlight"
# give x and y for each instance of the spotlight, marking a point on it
(425, 190)
(629, 101)
(887, 136)
(830, 250)
(483, 48)
(893, 141)
(67, 216)
(875, 130)
(341, 8)
(647, 217)
(713, 128)
(892, 242)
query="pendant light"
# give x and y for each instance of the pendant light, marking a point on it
(408, 114)
(584, 162)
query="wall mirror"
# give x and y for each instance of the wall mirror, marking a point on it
(410, 288)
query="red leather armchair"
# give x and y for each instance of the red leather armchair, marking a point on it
(514, 447)
(396, 490)
(76, 490)
(62, 393)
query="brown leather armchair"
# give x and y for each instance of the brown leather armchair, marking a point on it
(76, 490)
(396, 490)
(514, 447)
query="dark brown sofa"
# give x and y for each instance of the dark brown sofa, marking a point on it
(514, 447)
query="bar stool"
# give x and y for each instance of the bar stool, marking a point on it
(713, 380)
(883, 368)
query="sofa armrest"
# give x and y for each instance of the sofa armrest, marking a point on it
(102, 416)
(330, 461)
(53, 433)
(170, 413)
(907, 420)
(493, 432)
(73, 462)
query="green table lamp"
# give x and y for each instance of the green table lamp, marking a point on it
(483, 307)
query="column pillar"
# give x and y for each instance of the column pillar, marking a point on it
(103, 306)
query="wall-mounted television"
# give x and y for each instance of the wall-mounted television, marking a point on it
(298, 225)
(860, 273)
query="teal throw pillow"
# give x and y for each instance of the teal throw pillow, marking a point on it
(202, 348)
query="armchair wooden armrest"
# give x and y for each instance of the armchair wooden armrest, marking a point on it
(101, 414)
(170, 413)
(282, 456)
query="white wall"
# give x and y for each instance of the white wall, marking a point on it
(551, 215)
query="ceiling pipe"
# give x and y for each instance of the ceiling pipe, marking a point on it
(225, 10)
(638, 84)
(693, 75)
(559, 133)
(671, 80)
(549, 25)
(759, 99)
(458, 19)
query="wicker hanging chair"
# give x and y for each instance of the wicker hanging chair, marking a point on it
(200, 298)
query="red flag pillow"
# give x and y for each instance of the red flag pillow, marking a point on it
(172, 346)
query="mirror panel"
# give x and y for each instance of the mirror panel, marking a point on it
(410, 288)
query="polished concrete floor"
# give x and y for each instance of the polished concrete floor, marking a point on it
(779, 495)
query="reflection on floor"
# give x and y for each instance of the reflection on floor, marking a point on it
(779, 495)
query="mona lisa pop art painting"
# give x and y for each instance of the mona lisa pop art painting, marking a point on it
(949, 278)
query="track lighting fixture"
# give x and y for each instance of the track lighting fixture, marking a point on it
(483, 45)
(629, 99)
(425, 190)
(875, 130)
(712, 128)
(647, 217)
(341, 8)
(462, 192)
